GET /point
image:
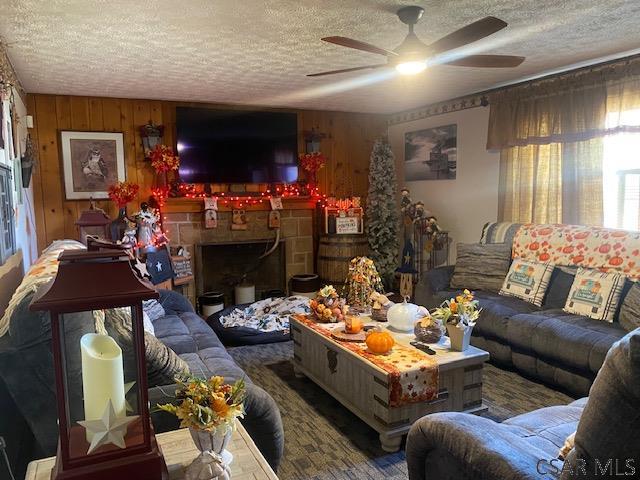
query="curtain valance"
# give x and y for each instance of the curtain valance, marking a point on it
(569, 108)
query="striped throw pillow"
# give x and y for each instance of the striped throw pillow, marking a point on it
(499, 232)
(595, 294)
(527, 281)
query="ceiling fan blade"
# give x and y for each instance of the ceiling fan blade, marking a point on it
(358, 45)
(345, 70)
(471, 33)
(487, 61)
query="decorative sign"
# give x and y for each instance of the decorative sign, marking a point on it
(345, 225)
(274, 219)
(238, 220)
(210, 212)
(211, 203)
(182, 269)
(210, 219)
(276, 203)
(159, 266)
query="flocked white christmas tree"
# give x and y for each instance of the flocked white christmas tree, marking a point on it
(382, 211)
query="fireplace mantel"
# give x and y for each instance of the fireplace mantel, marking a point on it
(195, 205)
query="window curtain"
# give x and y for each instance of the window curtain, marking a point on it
(549, 134)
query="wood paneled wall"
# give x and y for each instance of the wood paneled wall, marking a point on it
(348, 145)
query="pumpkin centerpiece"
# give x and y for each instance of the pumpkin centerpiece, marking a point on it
(328, 307)
(379, 341)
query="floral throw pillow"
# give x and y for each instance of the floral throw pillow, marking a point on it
(527, 281)
(595, 294)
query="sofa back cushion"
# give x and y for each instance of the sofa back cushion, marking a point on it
(558, 289)
(481, 267)
(599, 248)
(610, 422)
(499, 232)
(163, 364)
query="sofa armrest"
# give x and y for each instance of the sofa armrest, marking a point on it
(438, 278)
(432, 282)
(174, 303)
(162, 421)
(484, 448)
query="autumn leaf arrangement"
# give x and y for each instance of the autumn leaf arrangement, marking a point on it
(462, 310)
(209, 405)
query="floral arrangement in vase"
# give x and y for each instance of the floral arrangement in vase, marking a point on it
(462, 310)
(163, 159)
(328, 307)
(123, 192)
(209, 405)
(459, 314)
(209, 409)
(311, 163)
(362, 280)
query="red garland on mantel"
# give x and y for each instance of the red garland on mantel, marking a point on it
(285, 191)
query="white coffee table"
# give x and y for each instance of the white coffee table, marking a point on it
(362, 387)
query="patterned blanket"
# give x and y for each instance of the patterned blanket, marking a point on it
(412, 375)
(43, 270)
(269, 315)
(604, 249)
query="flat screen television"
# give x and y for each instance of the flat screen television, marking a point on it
(235, 146)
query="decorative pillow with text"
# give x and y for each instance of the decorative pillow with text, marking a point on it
(595, 294)
(527, 280)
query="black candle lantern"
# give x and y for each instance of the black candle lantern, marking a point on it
(151, 136)
(105, 430)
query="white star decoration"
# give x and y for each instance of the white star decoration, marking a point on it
(142, 268)
(108, 429)
(159, 266)
(127, 406)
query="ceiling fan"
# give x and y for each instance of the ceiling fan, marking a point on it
(412, 54)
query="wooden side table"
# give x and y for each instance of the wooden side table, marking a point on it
(179, 451)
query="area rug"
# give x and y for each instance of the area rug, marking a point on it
(324, 441)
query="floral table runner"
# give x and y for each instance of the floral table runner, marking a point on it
(412, 374)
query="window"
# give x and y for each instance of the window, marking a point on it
(621, 175)
(7, 232)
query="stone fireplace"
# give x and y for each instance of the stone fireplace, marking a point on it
(184, 224)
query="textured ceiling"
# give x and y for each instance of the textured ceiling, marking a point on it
(258, 51)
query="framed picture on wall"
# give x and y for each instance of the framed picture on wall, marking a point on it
(431, 154)
(91, 161)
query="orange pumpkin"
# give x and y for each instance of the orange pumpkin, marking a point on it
(379, 342)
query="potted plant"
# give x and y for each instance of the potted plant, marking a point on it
(459, 314)
(209, 409)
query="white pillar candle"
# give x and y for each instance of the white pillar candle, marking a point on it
(102, 375)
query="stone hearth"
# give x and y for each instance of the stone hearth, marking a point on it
(187, 229)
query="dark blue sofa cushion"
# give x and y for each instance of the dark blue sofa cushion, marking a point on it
(573, 341)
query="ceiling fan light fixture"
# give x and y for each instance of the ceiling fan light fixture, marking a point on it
(411, 67)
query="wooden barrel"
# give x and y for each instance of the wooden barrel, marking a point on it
(334, 254)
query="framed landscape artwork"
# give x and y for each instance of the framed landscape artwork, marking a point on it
(91, 161)
(431, 154)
